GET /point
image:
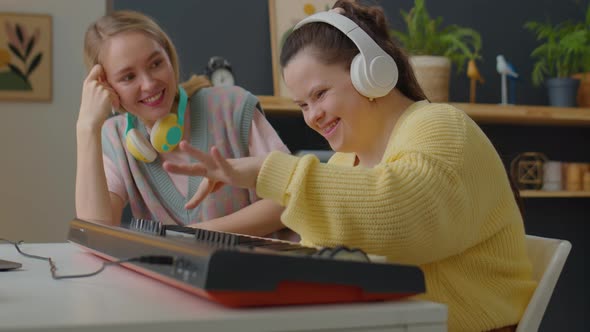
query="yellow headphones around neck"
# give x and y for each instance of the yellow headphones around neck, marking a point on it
(165, 135)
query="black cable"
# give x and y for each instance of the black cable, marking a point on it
(160, 260)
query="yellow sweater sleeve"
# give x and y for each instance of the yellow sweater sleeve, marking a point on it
(414, 207)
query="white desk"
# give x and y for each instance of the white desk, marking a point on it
(119, 299)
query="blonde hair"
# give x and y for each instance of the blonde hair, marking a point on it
(127, 20)
(122, 21)
(195, 83)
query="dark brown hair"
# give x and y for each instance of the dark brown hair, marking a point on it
(331, 46)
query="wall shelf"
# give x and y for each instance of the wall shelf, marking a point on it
(553, 194)
(482, 113)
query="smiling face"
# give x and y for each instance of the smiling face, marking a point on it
(139, 70)
(330, 104)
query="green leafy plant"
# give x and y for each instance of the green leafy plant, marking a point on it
(565, 50)
(426, 36)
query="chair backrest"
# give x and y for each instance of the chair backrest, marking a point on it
(548, 257)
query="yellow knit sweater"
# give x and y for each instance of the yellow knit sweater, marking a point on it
(439, 198)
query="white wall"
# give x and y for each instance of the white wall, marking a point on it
(37, 167)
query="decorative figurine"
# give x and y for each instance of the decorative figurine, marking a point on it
(474, 77)
(504, 69)
(512, 85)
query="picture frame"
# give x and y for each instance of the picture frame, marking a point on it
(25, 57)
(283, 15)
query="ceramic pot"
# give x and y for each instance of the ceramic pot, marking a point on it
(562, 91)
(433, 74)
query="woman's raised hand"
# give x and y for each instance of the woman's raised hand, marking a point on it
(98, 99)
(216, 170)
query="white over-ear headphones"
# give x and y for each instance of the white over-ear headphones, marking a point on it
(373, 72)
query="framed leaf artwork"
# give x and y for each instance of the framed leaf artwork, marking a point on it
(283, 15)
(25, 57)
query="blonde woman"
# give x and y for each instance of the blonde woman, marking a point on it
(133, 67)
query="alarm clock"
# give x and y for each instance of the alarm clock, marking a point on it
(219, 72)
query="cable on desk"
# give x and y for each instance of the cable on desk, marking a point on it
(160, 260)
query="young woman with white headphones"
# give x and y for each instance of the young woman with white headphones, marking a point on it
(414, 181)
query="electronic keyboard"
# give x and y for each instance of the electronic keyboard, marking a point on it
(239, 270)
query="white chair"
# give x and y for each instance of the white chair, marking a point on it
(548, 257)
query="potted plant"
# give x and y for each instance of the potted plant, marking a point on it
(584, 77)
(433, 48)
(564, 52)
